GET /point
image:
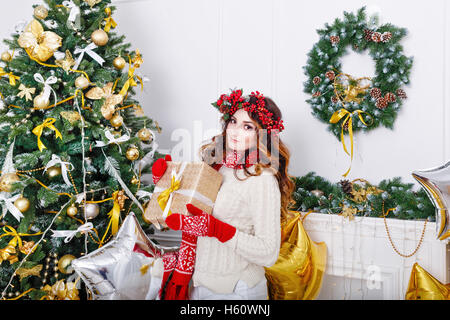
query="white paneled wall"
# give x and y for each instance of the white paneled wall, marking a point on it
(194, 50)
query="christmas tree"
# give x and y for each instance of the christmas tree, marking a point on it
(72, 144)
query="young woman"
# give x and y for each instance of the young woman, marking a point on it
(232, 246)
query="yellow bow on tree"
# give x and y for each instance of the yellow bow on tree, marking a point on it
(336, 117)
(48, 123)
(110, 23)
(27, 92)
(12, 77)
(135, 63)
(114, 214)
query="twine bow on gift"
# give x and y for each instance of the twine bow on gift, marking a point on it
(48, 123)
(12, 77)
(110, 23)
(336, 117)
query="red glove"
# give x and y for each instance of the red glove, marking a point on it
(200, 224)
(159, 167)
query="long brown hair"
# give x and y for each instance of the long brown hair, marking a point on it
(265, 157)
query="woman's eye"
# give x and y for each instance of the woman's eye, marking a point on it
(247, 127)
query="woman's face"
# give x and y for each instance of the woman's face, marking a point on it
(241, 132)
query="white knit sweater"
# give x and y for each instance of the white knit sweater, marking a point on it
(253, 207)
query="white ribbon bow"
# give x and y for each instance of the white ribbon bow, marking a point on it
(47, 88)
(74, 10)
(69, 234)
(57, 160)
(88, 49)
(9, 205)
(112, 139)
(142, 193)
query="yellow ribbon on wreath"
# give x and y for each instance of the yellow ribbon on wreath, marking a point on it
(48, 123)
(163, 198)
(336, 117)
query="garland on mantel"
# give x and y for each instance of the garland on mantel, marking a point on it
(391, 197)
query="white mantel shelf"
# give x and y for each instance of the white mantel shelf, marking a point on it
(361, 263)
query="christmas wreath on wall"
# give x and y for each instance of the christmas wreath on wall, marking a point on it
(350, 104)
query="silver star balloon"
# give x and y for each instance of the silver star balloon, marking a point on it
(436, 182)
(129, 267)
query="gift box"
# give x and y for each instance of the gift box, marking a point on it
(182, 183)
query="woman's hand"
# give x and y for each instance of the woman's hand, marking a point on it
(200, 224)
(159, 167)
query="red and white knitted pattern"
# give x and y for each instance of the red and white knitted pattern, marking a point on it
(233, 160)
(195, 225)
(186, 255)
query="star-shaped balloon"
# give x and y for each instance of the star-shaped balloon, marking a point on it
(423, 286)
(66, 63)
(299, 270)
(126, 268)
(436, 182)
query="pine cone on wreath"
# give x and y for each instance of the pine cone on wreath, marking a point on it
(335, 39)
(375, 93)
(381, 103)
(316, 80)
(401, 93)
(368, 34)
(334, 99)
(386, 36)
(376, 37)
(347, 187)
(317, 94)
(330, 75)
(390, 97)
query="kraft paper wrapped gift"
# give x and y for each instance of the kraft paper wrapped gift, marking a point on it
(182, 183)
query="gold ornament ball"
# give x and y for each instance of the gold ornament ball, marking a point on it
(317, 193)
(81, 82)
(132, 153)
(99, 37)
(134, 180)
(91, 210)
(119, 63)
(72, 211)
(145, 135)
(64, 264)
(40, 102)
(7, 180)
(53, 172)
(40, 12)
(22, 204)
(6, 56)
(116, 121)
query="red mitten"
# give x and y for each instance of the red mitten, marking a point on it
(170, 262)
(200, 224)
(159, 167)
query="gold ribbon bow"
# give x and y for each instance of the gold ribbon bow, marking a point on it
(110, 23)
(336, 117)
(12, 77)
(350, 91)
(130, 81)
(27, 92)
(8, 252)
(48, 123)
(163, 198)
(114, 214)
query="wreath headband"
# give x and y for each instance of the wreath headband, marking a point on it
(348, 104)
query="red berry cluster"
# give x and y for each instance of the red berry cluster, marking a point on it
(231, 103)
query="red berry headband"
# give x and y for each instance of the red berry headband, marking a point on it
(229, 104)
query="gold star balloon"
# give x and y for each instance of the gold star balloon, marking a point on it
(436, 182)
(66, 63)
(423, 286)
(299, 270)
